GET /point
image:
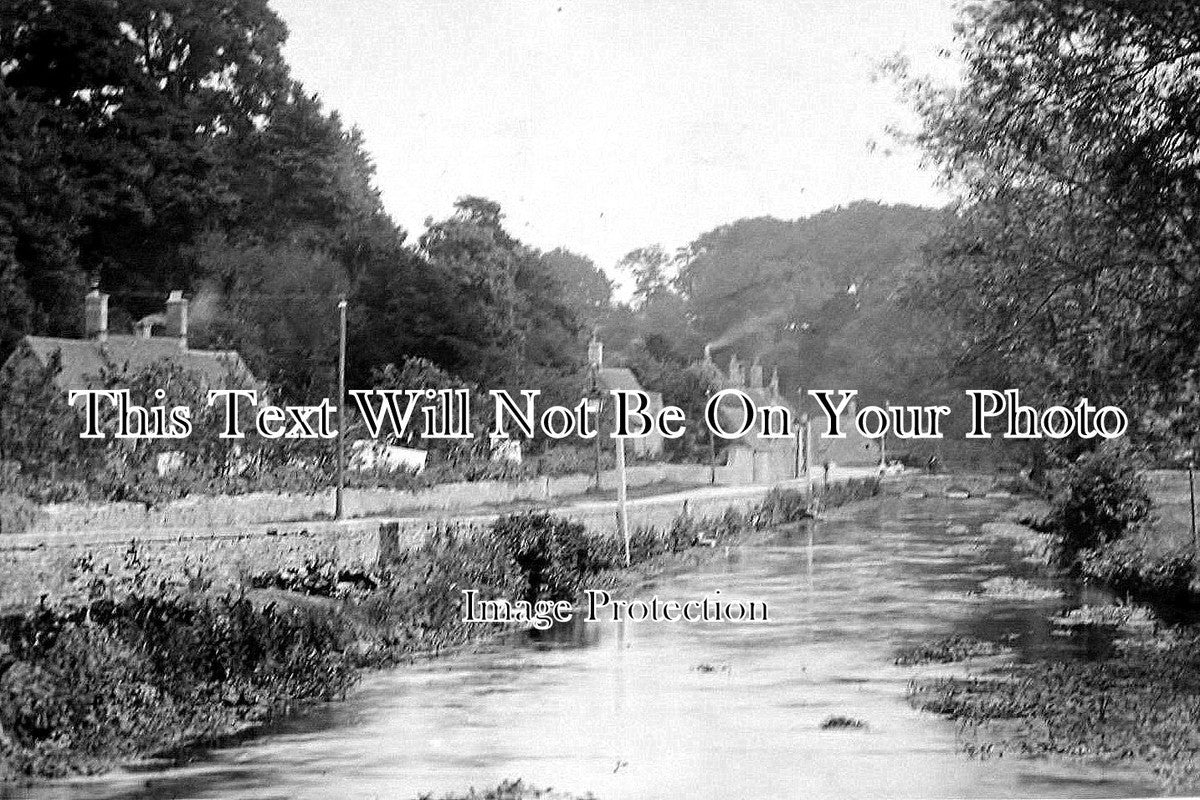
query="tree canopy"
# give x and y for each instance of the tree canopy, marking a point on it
(1073, 145)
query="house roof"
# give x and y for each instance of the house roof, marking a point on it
(618, 378)
(83, 360)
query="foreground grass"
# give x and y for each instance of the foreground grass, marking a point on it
(129, 667)
(509, 790)
(1140, 708)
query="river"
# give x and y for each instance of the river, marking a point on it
(688, 710)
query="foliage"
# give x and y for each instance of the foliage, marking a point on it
(500, 314)
(134, 99)
(1069, 267)
(948, 650)
(1101, 497)
(839, 494)
(1137, 708)
(132, 663)
(38, 431)
(510, 790)
(555, 557)
(1142, 560)
(82, 686)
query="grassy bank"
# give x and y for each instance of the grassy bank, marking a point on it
(1138, 708)
(1139, 705)
(126, 668)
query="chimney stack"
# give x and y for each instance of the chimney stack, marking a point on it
(737, 376)
(596, 352)
(177, 317)
(95, 315)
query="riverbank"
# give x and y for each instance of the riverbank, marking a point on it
(128, 668)
(1136, 704)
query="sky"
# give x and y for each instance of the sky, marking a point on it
(606, 125)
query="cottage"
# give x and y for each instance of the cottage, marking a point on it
(607, 379)
(83, 360)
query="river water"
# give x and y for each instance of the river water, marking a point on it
(688, 710)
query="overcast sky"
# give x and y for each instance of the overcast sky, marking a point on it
(605, 125)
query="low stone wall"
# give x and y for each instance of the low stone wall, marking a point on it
(205, 512)
(35, 565)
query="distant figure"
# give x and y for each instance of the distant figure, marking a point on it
(933, 464)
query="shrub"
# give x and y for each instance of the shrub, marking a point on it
(554, 555)
(83, 686)
(1141, 561)
(1101, 497)
(839, 494)
(417, 606)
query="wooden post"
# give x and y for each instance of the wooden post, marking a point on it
(712, 458)
(339, 510)
(796, 465)
(622, 510)
(1192, 496)
(808, 453)
(883, 448)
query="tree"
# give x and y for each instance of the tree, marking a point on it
(798, 292)
(276, 305)
(585, 286)
(651, 270)
(135, 95)
(1073, 145)
(40, 207)
(500, 317)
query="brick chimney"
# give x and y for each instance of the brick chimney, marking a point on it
(177, 317)
(95, 315)
(596, 352)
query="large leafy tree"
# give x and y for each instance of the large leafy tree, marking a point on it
(494, 310)
(138, 94)
(40, 207)
(1074, 144)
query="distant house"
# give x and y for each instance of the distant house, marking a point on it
(83, 360)
(610, 378)
(758, 458)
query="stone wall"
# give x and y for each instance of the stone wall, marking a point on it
(34, 565)
(206, 512)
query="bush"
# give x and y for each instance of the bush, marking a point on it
(553, 555)
(1100, 498)
(1142, 561)
(839, 494)
(83, 686)
(418, 604)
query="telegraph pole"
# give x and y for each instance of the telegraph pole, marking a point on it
(883, 448)
(1192, 495)
(339, 508)
(622, 505)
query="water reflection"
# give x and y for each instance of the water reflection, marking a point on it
(679, 710)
